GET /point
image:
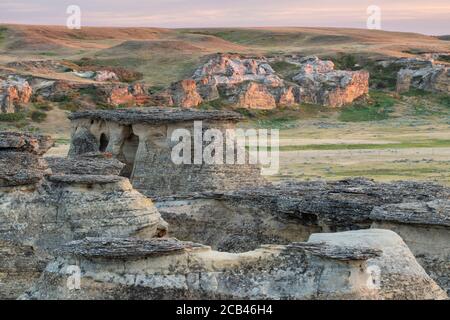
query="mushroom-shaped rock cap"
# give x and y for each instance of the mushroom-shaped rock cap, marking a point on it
(344, 253)
(156, 115)
(25, 142)
(433, 213)
(126, 248)
(93, 164)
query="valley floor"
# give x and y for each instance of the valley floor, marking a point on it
(382, 151)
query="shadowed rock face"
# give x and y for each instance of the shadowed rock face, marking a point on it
(184, 94)
(21, 169)
(434, 78)
(320, 84)
(83, 142)
(169, 269)
(421, 74)
(40, 211)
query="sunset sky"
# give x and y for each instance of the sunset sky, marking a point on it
(429, 17)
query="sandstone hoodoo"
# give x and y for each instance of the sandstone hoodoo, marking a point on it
(252, 83)
(142, 139)
(40, 210)
(169, 269)
(14, 91)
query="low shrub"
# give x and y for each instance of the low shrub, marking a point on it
(38, 116)
(12, 117)
(378, 107)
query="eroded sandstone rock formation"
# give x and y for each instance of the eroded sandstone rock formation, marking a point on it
(252, 83)
(142, 139)
(87, 95)
(280, 214)
(84, 200)
(433, 78)
(123, 94)
(169, 269)
(39, 211)
(320, 84)
(14, 91)
(243, 82)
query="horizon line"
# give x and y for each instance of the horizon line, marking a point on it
(228, 27)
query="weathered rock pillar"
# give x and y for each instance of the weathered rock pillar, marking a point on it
(142, 138)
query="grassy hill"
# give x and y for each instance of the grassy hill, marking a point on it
(165, 55)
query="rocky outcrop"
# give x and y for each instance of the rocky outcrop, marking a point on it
(242, 82)
(168, 269)
(39, 211)
(119, 95)
(250, 95)
(284, 213)
(125, 95)
(14, 91)
(252, 83)
(105, 75)
(434, 78)
(287, 96)
(24, 142)
(88, 95)
(320, 84)
(234, 69)
(184, 94)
